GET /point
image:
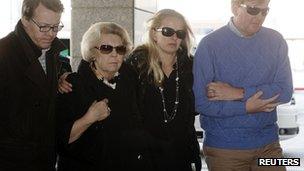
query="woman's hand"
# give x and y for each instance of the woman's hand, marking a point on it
(98, 111)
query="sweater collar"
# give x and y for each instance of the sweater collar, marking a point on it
(234, 29)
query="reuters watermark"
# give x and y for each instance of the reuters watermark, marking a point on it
(279, 162)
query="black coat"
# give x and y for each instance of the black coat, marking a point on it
(27, 99)
(111, 144)
(173, 145)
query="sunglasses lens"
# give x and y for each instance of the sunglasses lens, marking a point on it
(106, 49)
(167, 31)
(256, 11)
(253, 10)
(121, 50)
(181, 34)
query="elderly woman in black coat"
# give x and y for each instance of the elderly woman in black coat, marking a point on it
(98, 120)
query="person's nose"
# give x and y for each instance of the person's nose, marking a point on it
(51, 33)
(174, 36)
(114, 52)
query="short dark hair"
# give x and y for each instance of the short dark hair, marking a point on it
(238, 2)
(29, 6)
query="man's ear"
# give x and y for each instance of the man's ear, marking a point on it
(25, 22)
(234, 9)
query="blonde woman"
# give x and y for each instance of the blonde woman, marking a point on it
(98, 117)
(164, 70)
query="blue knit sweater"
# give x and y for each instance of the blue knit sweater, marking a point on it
(257, 63)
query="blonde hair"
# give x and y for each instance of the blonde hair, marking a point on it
(92, 37)
(153, 49)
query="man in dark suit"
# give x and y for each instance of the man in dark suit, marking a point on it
(29, 68)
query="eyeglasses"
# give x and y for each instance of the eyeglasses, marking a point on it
(255, 10)
(168, 32)
(106, 49)
(47, 28)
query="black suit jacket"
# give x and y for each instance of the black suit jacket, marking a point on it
(27, 99)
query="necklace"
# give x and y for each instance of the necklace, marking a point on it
(171, 116)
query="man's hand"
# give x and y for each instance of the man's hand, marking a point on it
(255, 104)
(63, 85)
(223, 91)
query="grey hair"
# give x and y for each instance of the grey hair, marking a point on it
(92, 38)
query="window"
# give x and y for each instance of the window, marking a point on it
(10, 12)
(284, 16)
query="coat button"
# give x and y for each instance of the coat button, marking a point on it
(37, 104)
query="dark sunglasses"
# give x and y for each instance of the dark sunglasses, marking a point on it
(255, 10)
(168, 32)
(106, 49)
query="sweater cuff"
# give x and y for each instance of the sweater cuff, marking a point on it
(237, 108)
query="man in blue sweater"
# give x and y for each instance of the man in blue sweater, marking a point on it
(241, 73)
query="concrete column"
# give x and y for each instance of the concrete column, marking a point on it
(87, 12)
